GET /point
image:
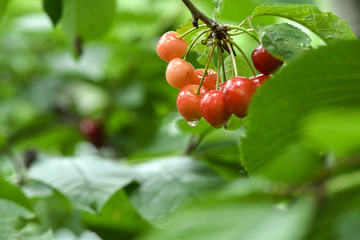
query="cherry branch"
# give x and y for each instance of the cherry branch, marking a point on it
(197, 15)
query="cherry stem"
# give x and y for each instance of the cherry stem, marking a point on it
(235, 72)
(193, 43)
(191, 30)
(238, 33)
(222, 65)
(218, 66)
(206, 67)
(244, 30)
(244, 55)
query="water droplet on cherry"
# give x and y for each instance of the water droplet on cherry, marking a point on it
(193, 123)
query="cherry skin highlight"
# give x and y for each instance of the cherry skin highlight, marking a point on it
(170, 46)
(237, 94)
(209, 80)
(264, 62)
(179, 73)
(259, 79)
(213, 109)
(188, 102)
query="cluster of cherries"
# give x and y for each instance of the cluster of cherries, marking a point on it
(213, 101)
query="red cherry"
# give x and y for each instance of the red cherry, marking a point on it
(221, 86)
(170, 46)
(237, 94)
(259, 79)
(264, 62)
(93, 131)
(213, 109)
(188, 102)
(209, 80)
(179, 73)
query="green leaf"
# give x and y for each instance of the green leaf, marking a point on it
(331, 79)
(87, 19)
(9, 212)
(165, 185)
(119, 215)
(201, 128)
(66, 234)
(186, 27)
(284, 41)
(219, 7)
(48, 235)
(200, 49)
(240, 220)
(13, 193)
(241, 65)
(339, 217)
(338, 131)
(324, 24)
(87, 181)
(3, 5)
(53, 8)
(235, 123)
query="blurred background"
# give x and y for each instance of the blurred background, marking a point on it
(46, 89)
(54, 86)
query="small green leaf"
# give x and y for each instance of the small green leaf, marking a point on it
(200, 49)
(284, 41)
(48, 235)
(219, 7)
(13, 193)
(235, 123)
(165, 185)
(241, 65)
(87, 181)
(9, 212)
(53, 8)
(201, 128)
(186, 27)
(87, 19)
(324, 24)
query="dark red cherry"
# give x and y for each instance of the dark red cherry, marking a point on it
(264, 62)
(213, 109)
(259, 79)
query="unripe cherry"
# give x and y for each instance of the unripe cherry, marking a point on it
(264, 62)
(209, 80)
(179, 73)
(170, 46)
(237, 94)
(213, 109)
(259, 80)
(188, 102)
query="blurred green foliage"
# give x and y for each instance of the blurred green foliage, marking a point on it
(156, 177)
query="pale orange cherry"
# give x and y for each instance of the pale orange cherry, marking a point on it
(209, 79)
(179, 73)
(170, 46)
